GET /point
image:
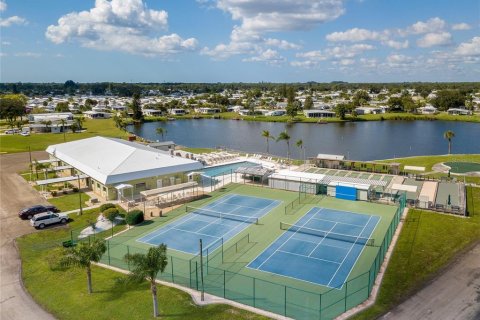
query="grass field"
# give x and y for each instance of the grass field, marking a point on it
(63, 292)
(429, 161)
(69, 202)
(18, 143)
(428, 241)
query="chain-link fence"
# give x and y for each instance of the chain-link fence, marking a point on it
(222, 277)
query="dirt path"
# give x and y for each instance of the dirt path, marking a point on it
(454, 295)
(15, 194)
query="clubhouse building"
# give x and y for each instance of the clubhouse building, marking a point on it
(116, 169)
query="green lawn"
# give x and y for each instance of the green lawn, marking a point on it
(429, 161)
(428, 241)
(63, 292)
(18, 143)
(69, 202)
(198, 150)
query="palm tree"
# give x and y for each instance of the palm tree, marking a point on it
(147, 266)
(266, 134)
(449, 135)
(299, 144)
(79, 121)
(47, 124)
(63, 122)
(161, 131)
(284, 136)
(82, 256)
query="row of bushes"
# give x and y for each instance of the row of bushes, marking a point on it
(54, 193)
(110, 211)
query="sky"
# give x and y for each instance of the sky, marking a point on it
(239, 40)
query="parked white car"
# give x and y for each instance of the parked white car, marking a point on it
(41, 220)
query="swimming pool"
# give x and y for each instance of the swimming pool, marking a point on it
(226, 168)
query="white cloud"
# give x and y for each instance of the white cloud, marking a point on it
(340, 55)
(273, 16)
(308, 64)
(398, 58)
(259, 17)
(11, 21)
(435, 39)
(369, 63)
(3, 5)
(269, 56)
(6, 43)
(345, 62)
(355, 35)
(396, 44)
(120, 25)
(282, 44)
(461, 26)
(471, 48)
(28, 54)
(431, 25)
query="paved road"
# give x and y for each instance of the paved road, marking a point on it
(454, 295)
(15, 193)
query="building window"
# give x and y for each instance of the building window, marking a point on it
(141, 186)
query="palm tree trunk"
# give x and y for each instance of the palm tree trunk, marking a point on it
(154, 298)
(449, 146)
(288, 150)
(267, 145)
(89, 280)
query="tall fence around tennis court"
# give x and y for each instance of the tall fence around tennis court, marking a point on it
(221, 278)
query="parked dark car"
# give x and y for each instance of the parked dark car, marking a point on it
(28, 213)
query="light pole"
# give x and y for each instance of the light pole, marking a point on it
(79, 194)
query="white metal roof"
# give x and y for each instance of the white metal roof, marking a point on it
(414, 168)
(404, 187)
(111, 161)
(330, 156)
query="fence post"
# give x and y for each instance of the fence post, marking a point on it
(196, 273)
(224, 284)
(171, 261)
(108, 248)
(254, 292)
(320, 307)
(346, 294)
(128, 260)
(285, 311)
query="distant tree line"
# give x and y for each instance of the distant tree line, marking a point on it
(255, 89)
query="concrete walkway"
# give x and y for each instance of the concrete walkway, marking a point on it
(15, 193)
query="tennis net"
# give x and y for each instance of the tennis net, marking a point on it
(327, 234)
(221, 215)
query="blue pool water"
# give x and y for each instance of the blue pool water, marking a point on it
(227, 168)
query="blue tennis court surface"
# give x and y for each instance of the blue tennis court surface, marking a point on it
(322, 247)
(184, 234)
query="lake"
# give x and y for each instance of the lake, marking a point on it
(368, 140)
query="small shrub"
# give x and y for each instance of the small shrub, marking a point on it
(53, 193)
(65, 191)
(134, 217)
(111, 213)
(75, 189)
(106, 206)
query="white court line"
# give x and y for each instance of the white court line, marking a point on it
(351, 224)
(276, 239)
(219, 201)
(304, 256)
(323, 238)
(285, 241)
(348, 253)
(363, 248)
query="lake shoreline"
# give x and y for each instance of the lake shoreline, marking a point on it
(303, 119)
